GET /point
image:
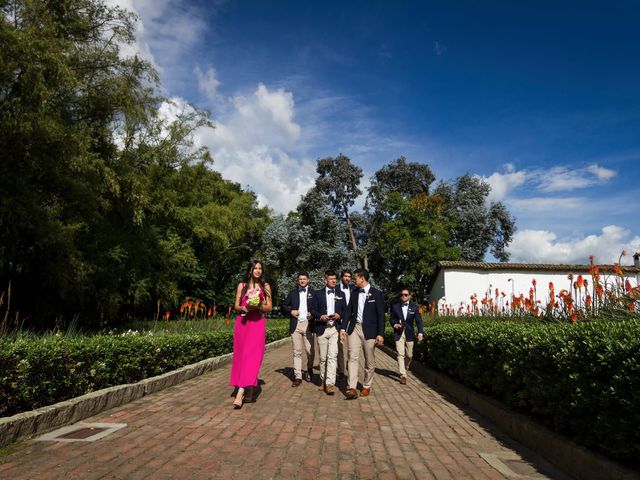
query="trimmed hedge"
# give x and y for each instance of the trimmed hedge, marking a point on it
(41, 371)
(582, 380)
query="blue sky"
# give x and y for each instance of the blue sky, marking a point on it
(541, 99)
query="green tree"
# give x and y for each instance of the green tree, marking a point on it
(339, 183)
(479, 226)
(411, 242)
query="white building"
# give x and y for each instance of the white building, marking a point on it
(455, 282)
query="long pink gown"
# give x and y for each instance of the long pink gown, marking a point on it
(249, 338)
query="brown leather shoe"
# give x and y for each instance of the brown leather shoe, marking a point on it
(365, 392)
(329, 390)
(321, 387)
(351, 394)
(296, 383)
(403, 380)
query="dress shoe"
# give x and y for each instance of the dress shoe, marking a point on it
(296, 383)
(321, 387)
(403, 380)
(351, 393)
(249, 395)
(365, 392)
(329, 390)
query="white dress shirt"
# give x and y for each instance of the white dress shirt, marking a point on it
(302, 309)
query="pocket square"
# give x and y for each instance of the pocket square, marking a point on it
(371, 301)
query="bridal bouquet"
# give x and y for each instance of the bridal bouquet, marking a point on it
(254, 298)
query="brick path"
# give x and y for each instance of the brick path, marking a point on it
(190, 431)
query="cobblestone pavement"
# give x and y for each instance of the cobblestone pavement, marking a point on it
(190, 431)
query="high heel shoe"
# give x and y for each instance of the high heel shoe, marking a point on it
(237, 405)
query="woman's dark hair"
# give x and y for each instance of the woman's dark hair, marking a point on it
(247, 277)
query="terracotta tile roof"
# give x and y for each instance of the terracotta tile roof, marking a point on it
(549, 267)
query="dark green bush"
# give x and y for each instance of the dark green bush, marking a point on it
(582, 380)
(40, 371)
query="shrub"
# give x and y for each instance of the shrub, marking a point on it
(582, 380)
(35, 372)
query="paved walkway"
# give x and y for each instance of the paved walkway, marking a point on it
(190, 431)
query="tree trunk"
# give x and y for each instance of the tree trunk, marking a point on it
(352, 237)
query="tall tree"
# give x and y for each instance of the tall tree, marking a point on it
(312, 238)
(480, 226)
(411, 242)
(339, 182)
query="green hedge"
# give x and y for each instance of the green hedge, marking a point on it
(35, 372)
(582, 380)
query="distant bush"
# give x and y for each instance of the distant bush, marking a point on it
(39, 371)
(582, 380)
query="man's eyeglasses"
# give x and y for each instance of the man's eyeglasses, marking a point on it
(404, 294)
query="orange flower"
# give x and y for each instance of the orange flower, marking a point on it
(209, 312)
(181, 308)
(167, 314)
(574, 318)
(587, 301)
(617, 270)
(627, 286)
(551, 286)
(534, 282)
(632, 307)
(599, 290)
(579, 281)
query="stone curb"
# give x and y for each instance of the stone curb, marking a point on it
(575, 460)
(73, 410)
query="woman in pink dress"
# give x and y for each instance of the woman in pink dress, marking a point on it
(253, 300)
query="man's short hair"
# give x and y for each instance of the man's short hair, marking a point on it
(303, 273)
(330, 273)
(345, 271)
(362, 273)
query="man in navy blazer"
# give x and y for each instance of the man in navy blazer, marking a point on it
(298, 306)
(365, 330)
(329, 310)
(403, 316)
(347, 288)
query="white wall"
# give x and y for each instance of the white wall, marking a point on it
(459, 285)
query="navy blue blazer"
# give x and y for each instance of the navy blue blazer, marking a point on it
(292, 302)
(319, 308)
(372, 316)
(413, 315)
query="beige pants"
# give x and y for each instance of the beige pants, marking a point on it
(328, 348)
(302, 339)
(405, 352)
(357, 342)
(343, 355)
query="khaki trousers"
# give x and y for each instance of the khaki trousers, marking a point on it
(357, 343)
(302, 339)
(328, 348)
(343, 355)
(405, 352)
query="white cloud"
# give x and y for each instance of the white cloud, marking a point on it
(502, 183)
(165, 32)
(601, 173)
(208, 83)
(542, 246)
(561, 178)
(251, 145)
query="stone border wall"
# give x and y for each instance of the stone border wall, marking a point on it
(70, 411)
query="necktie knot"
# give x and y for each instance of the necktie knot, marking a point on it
(330, 291)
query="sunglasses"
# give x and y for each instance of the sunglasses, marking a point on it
(404, 294)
